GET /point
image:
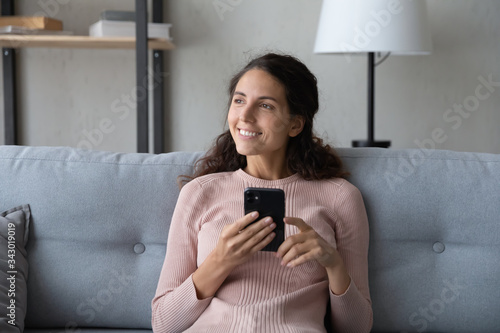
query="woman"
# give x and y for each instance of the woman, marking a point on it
(215, 278)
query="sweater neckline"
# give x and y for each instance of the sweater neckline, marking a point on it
(264, 182)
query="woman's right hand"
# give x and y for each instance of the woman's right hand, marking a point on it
(238, 242)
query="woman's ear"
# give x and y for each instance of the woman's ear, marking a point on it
(297, 126)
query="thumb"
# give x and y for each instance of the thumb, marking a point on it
(299, 223)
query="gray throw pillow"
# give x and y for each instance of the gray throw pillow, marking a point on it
(14, 229)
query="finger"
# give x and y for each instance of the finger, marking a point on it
(268, 238)
(299, 260)
(233, 229)
(299, 223)
(295, 252)
(258, 229)
(252, 239)
(290, 242)
(243, 222)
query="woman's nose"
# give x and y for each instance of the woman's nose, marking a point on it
(247, 113)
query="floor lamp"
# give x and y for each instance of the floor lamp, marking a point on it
(373, 26)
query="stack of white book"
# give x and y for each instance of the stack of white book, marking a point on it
(122, 24)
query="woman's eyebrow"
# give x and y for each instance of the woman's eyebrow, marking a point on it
(268, 97)
(261, 97)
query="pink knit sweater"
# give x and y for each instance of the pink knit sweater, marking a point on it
(261, 295)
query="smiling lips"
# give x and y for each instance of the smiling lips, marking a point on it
(248, 133)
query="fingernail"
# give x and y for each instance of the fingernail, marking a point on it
(268, 220)
(272, 226)
(255, 214)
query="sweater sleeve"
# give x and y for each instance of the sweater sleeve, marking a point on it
(352, 311)
(175, 306)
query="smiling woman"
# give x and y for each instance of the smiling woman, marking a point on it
(292, 95)
(215, 276)
(261, 125)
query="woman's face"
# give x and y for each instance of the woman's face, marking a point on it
(259, 117)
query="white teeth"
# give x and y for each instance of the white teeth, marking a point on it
(247, 133)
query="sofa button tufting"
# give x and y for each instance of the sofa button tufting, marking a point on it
(139, 248)
(438, 247)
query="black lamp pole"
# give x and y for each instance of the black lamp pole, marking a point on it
(370, 142)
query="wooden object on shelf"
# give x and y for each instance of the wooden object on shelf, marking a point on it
(22, 41)
(32, 22)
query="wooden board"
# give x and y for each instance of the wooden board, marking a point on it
(22, 41)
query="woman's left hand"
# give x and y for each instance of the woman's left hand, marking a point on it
(308, 245)
(305, 246)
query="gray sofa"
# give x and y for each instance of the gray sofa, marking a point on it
(99, 224)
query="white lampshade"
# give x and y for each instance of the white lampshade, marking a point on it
(352, 26)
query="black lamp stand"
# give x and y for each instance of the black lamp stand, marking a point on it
(370, 142)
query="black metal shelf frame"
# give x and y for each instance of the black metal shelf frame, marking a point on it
(141, 7)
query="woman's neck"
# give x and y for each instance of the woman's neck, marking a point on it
(267, 168)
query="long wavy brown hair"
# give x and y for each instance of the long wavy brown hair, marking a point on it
(306, 153)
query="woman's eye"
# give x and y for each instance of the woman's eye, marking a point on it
(238, 101)
(267, 106)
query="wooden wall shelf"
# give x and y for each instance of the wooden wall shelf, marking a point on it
(141, 44)
(24, 41)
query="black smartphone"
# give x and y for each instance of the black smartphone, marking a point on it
(268, 202)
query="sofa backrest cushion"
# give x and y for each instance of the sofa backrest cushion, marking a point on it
(100, 224)
(434, 238)
(98, 234)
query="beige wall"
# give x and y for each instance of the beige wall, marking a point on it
(420, 100)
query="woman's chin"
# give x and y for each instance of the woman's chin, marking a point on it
(245, 151)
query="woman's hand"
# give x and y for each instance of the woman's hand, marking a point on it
(240, 240)
(237, 243)
(308, 245)
(305, 246)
